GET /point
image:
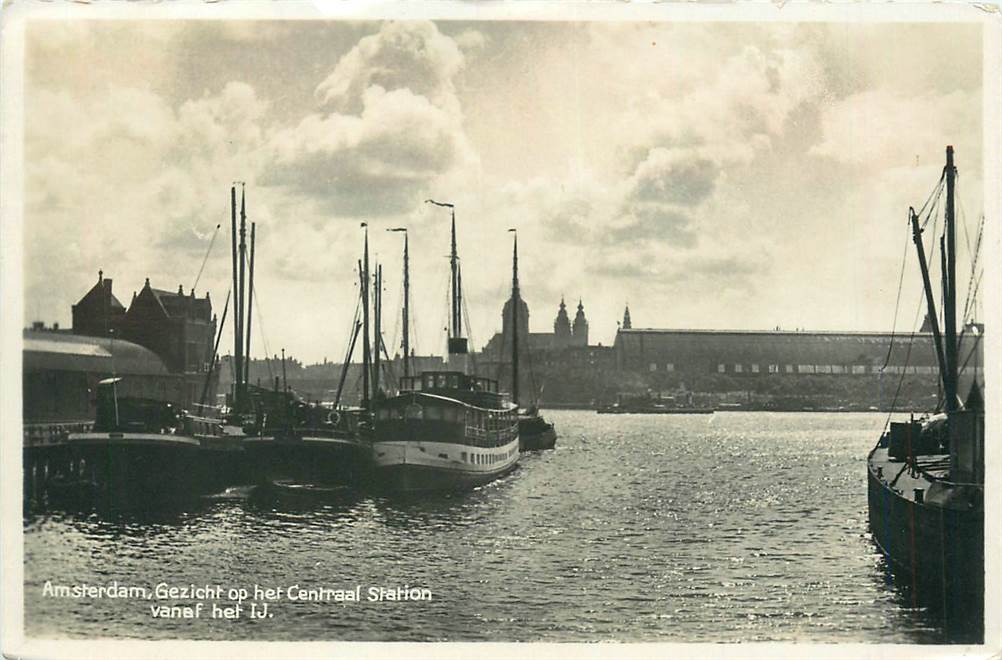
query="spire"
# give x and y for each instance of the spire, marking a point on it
(562, 324)
(580, 328)
(514, 271)
(627, 323)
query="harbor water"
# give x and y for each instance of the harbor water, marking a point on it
(684, 528)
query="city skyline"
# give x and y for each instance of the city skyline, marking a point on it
(727, 176)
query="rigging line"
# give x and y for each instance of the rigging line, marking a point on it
(205, 259)
(897, 302)
(904, 369)
(975, 257)
(971, 353)
(970, 311)
(264, 337)
(396, 337)
(936, 190)
(961, 214)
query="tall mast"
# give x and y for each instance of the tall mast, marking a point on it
(515, 299)
(250, 308)
(366, 350)
(950, 288)
(407, 303)
(241, 300)
(407, 307)
(377, 339)
(457, 326)
(930, 297)
(237, 336)
(457, 343)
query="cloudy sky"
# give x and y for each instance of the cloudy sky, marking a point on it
(710, 175)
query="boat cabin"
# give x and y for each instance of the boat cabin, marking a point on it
(444, 381)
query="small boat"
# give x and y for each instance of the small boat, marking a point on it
(298, 441)
(288, 489)
(925, 477)
(534, 432)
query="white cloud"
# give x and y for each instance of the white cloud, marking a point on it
(880, 128)
(395, 125)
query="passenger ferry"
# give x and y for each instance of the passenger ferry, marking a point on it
(444, 430)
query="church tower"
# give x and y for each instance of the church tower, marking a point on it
(562, 327)
(580, 329)
(627, 323)
(523, 326)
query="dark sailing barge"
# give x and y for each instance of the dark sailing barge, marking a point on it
(534, 432)
(925, 479)
(444, 430)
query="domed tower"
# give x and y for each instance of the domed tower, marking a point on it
(562, 327)
(627, 323)
(523, 325)
(580, 329)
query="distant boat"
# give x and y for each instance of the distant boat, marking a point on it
(925, 478)
(647, 405)
(444, 430)
(534, 432)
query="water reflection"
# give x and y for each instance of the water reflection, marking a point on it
(635, 529)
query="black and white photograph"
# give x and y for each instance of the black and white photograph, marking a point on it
(638, 324)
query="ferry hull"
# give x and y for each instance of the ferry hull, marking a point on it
(410, 466)
(937, 552)
(409, 478)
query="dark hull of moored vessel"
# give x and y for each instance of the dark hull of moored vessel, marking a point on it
(925, 479)
(457, 436)
(535, 433)
(303, 442)
(142, 453)
(930, 530)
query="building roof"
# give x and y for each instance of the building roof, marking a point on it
(799, 333)
(61, 351)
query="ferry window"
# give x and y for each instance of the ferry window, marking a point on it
(721, 368)
(670, 366)
(654, 366)
(416, 384)
(464, 456)
(440, 381)
(789, 368)
(738, 368)
(453, 381)
(429, 381)
(754, 368)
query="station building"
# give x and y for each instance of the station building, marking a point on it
(751, 353)
(161, 346)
